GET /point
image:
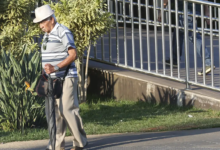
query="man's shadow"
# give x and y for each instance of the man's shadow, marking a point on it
(114, 140)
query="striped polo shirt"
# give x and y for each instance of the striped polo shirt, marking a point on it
(54, 49)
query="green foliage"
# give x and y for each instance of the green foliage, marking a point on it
(85, 18)
(3, 5)
(16, 27)
(19, 108)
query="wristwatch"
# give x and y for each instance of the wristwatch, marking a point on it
(56, 68)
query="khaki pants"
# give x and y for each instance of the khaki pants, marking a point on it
(67, 114)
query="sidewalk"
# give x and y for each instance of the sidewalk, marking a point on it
(200, 139)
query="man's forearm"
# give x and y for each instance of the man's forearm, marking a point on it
(66, 62)
(72, 57)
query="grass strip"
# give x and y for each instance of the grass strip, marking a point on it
(110, 116)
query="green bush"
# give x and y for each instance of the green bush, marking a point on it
(16, 27)
(19, 108)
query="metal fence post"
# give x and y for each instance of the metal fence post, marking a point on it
(148, 37)
(110, 35)
(132, 33)
(117, 34)
(177, 38)
(140, 34)
(170, 38)
(155, 36)
(186, 33)
(203, 44)
(125, 33)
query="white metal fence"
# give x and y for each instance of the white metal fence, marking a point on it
(140, 42)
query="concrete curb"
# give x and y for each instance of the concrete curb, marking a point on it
(119, 83)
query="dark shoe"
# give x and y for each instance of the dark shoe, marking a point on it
(168, 62)
(208, 69)
(79, 148)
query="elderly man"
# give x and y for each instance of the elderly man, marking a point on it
(58, 52)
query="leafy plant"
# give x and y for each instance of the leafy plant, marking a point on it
(87, 20)
(16, 27)
(19, 108)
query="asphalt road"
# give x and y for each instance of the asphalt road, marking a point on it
(200, 139)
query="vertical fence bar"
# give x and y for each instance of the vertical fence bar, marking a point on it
(203, 43)
(194, 40)
(140, 34)
(117, 38)
(125, 36)
(130, 11)
(170, 40)
(186, 42)
(155, 36)
(177, 38)
(219, 37)
(215, 15)
(120, 10)
(211, 46)
(132, 32)
(110, 35)
(95, 51)
(205, 23)
(163, 38)
(102, 43)
(148, 38)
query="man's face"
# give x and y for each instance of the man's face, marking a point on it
(47, 25)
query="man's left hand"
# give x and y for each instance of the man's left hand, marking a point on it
(49, 68)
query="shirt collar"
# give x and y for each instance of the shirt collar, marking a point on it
(54, 28)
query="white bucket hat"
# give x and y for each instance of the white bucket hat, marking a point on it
(42, 13)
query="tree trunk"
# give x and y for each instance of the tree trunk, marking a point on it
(80, 87)
(83, 81)
(86, 73)
(83, 77)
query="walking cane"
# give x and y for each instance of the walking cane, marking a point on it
(52, 121)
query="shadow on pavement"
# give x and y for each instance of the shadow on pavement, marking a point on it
(120, 140)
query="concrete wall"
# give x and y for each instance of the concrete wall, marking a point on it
(121, 87)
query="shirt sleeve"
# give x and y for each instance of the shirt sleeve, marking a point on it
(67, 39)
